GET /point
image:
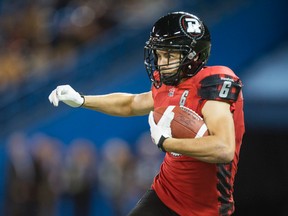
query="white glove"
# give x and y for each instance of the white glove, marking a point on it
(162, 130)
(66, 94)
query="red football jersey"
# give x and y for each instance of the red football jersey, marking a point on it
(186, 185)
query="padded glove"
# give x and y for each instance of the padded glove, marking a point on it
(162, 130)
(67, 95)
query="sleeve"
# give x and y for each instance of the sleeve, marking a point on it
(221, 87)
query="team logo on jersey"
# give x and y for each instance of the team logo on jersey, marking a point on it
(192, 26)
(171, 92)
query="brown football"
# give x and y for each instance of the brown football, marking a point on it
(186, 122)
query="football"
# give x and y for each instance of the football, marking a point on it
(186, 122)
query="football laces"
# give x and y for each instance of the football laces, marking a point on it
(192, 112)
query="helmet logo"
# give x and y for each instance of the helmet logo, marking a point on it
(191, 26)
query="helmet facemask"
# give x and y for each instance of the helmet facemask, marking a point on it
(159, 74)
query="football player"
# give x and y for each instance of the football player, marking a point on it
(197, 174)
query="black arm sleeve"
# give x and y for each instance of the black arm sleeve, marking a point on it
(220, 87)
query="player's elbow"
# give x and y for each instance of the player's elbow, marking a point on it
(228, 158)
(226, 155)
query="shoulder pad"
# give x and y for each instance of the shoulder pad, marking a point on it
(220, 87)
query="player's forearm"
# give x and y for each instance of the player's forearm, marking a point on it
(209, 149)
(118, 104)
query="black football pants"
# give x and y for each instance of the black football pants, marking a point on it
(151, 205)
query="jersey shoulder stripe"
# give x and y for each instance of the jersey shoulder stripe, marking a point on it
(221, 85)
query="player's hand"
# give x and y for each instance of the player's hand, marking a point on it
(162, 130)
(66, 94)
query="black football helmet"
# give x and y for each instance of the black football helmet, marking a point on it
(177, 32)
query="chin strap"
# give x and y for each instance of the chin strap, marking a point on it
(172, 80)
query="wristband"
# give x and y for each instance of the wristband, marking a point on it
(83, 100)
(160, 143)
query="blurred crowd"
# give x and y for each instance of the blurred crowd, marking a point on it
(35, 34)
(43, 172)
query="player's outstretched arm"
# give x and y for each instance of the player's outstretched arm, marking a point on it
(118, 104)
(121, 104)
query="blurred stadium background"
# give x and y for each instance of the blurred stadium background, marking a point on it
(64, 161)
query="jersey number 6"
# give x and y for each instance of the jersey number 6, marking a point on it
(225, 89)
